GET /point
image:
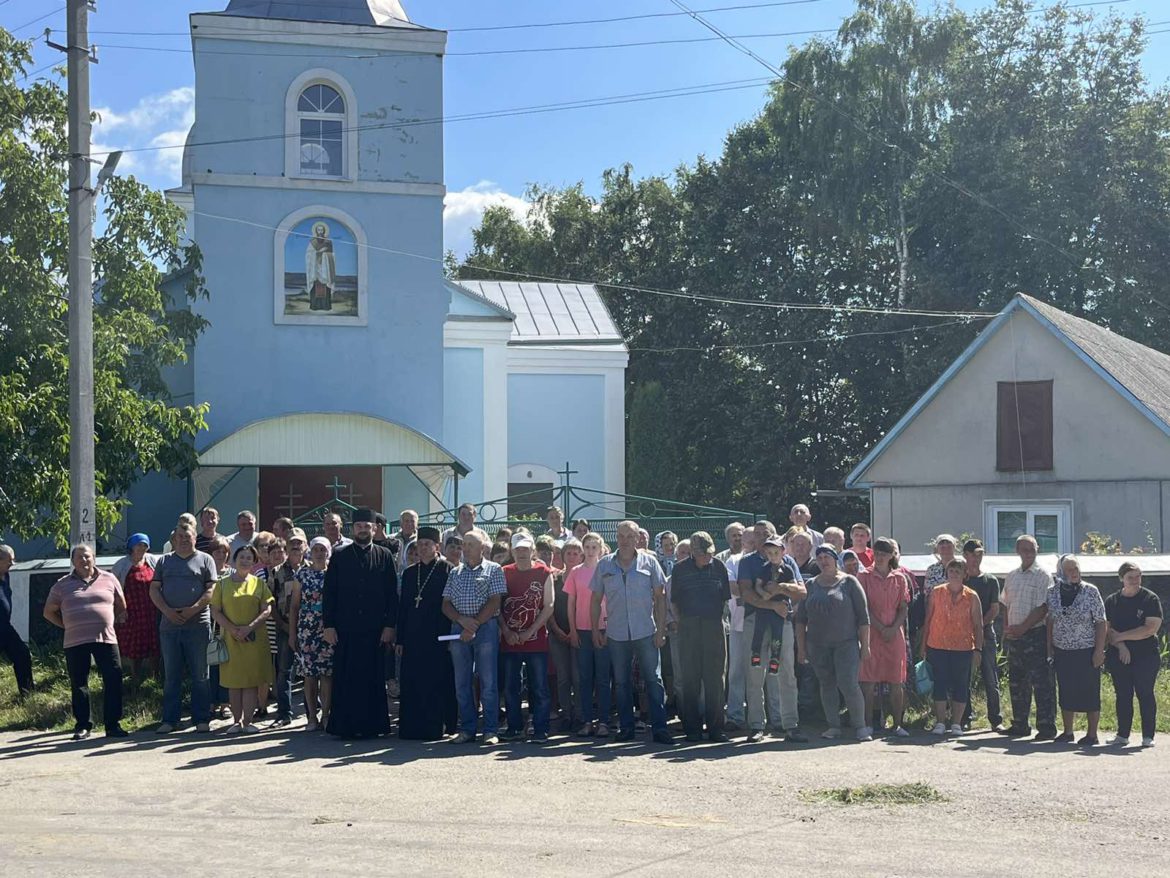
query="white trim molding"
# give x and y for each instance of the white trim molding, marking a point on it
(218, 26)
(282, 233)
(292, 124)
(321, 184)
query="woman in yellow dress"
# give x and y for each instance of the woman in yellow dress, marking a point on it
(240, 605)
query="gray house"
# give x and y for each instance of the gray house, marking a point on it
(1046, 424)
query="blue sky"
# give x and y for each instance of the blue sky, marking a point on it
(145, 96)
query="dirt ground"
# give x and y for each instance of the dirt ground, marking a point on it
(292, 802)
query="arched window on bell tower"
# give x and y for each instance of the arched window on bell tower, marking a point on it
(321, 142)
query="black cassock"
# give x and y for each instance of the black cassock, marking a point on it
(360, 599)
(427, 680)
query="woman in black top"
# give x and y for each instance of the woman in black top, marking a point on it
(1135, 616)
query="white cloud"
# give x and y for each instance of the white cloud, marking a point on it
(463, 209)
(160, 120)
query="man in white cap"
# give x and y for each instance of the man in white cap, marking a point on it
(527, 607)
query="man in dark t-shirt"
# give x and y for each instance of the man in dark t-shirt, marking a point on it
(987, 588)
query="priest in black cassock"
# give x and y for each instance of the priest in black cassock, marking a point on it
(360, 608)
(427, 709)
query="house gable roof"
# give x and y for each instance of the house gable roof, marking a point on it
(1139, 374)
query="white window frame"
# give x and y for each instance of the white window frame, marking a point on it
(1062, 509)
(292, 125)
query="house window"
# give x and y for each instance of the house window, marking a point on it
(321, 116)
(1024, 426)
(1050, 523)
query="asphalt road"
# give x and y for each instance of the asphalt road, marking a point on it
(293, 803)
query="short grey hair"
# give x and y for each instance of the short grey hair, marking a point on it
(73, 550)
(7, 551)
(701, 542)
(727, 530)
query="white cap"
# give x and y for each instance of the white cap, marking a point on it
(522, 539)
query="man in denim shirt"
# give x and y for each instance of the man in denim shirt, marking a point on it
(634, 590)
(471, 600)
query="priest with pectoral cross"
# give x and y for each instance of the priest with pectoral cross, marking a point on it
(360, 608)
(427, 708)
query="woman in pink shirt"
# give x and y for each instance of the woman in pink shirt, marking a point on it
(592, 661)
(86, 603)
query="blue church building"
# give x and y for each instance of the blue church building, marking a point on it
(339, 361)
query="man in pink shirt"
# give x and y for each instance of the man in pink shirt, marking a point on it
(86, 603)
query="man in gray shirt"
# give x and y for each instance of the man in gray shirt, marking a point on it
(634, 590)
(181, 589)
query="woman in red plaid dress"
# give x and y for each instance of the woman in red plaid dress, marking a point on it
(138, 635)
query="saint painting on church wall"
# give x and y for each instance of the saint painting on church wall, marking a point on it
(322, 279)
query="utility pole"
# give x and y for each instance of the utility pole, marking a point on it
(82, 493)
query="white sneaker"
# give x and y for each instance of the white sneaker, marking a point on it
(830, 734)
(900, 732)
(865, 733)
(956, 730)
(1147, 742)
(1118, 741)
(939, 729)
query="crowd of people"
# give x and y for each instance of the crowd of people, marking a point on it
(736, 642)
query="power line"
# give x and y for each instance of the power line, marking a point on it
(424, 53)
(677, 294)
(584, 103)
(480, 28)
(38, 18)
(832, 337)
(1028, 234)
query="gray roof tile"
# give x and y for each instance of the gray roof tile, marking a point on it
(1141, 370)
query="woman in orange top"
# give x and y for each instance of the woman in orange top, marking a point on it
(954, 637)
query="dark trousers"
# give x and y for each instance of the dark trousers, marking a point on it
(285, 660)
(1028, 676)
(702, 652)
(109, 664)
(17, 652)
(989, 673)
(1136, 677)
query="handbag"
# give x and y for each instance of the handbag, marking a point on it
(217, 651)
(923, 678)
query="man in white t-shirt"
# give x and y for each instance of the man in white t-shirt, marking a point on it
(736, 679)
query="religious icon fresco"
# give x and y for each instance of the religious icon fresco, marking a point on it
(320, 270)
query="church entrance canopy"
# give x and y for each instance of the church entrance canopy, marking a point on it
(308, 461)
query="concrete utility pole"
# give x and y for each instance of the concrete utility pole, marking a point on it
(82, 499)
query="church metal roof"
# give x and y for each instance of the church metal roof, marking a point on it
(384, 13)
(552, 313)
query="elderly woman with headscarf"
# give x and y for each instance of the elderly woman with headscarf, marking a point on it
(307, 633)
(138, 634)
(1076, 647)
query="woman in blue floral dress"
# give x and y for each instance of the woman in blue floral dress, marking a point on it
(307, 634)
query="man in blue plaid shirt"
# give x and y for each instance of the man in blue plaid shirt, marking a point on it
(471, 600)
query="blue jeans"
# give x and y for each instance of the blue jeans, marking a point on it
(185, 649)
(593, 670)
(478, 657)
(622, 653)
(537, 665)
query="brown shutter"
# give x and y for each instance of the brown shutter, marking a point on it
(1023, 426)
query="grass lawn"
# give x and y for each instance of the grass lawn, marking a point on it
(48, 708)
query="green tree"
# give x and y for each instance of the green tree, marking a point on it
(139, 333)
(940, 161)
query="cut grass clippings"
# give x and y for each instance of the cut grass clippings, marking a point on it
(877, 794)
